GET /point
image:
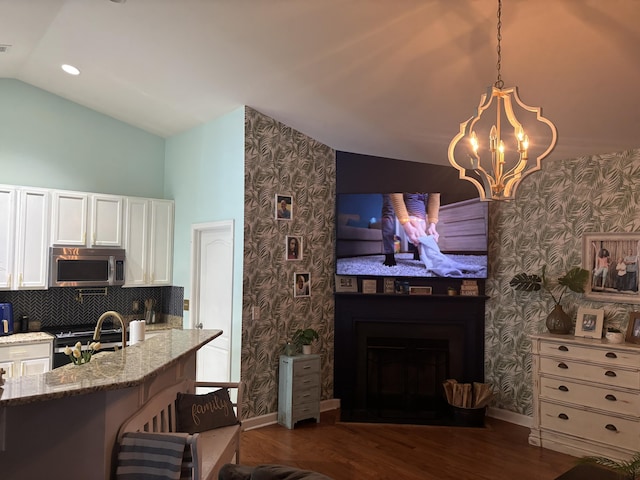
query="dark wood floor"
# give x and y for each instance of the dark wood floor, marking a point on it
(354, 451)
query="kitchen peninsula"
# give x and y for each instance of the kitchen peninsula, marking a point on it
(64, 422)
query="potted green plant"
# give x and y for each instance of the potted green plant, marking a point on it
(575, 280)
(629, 469)
(303, 338)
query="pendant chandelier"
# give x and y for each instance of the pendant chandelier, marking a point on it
(497, 164)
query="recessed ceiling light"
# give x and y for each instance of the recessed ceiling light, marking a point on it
(70, 69)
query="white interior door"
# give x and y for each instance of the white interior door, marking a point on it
(212, 295)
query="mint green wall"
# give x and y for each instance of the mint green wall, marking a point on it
(204, 174)
(47, 141)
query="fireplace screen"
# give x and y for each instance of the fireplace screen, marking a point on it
(405, 375)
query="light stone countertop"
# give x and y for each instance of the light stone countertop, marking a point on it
(128, 367)
(29, 337)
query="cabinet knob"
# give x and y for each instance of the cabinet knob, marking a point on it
(611, 355)
(563, 416)
(562, 388)
(609, 373)
(611, 397)
(611, 427)
(562, 348)
(563, 365)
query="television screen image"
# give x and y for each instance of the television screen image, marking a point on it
(370, 239)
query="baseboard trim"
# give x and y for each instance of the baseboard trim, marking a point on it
(334, 404)
(511, 417)
(272, 418)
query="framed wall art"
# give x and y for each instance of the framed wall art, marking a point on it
(633, 330)
(612, 262)
(589, 322)
(302, 284)
(284, 207)
(293, 248)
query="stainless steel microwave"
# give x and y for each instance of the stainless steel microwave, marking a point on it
(86, 267)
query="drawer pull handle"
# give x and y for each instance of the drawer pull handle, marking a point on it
(562, 365)
(611, 355)
(611, 397)
(610, 427)
(562, 348)
(563, 416)
(609, 373)
(562, 388)
(307, 367)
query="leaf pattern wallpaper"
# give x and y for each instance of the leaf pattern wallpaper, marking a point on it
(281, 160)
(544, 226)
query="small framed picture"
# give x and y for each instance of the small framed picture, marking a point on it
(284, 207)
(633, 330)
(589, 322)
(301, 284)
(346, 284)
(390, 285)
(369, 286)
(293, 248)
(419, 290)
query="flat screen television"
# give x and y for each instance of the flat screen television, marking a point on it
(460, 252)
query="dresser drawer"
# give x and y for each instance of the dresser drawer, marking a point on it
(306, 367)
(305, 410)
(596, 373)
(610, 356)
(616, 401)
(306, 382)
(607, 429)
(306, 396)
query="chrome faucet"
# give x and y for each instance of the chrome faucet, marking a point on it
(117, 316)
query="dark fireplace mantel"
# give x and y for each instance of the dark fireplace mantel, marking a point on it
(392, 353)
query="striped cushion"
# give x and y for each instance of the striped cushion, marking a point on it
(152, 456)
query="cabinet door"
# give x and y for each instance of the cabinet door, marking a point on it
(106, 221)
(34, 366)
(161, 246)
(7, 235)
(69, 218)
(32, 240)
(136, 239)
(8, 367)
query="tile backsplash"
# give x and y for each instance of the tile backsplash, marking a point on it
(63, 307)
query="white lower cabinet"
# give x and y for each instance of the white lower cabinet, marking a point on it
(299, 389)
(586, 396)
(28, 358)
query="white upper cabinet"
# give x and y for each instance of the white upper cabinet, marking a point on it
(148, 241)
(24, 213)
(86, 219)
(7, 235)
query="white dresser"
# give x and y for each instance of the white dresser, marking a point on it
(299, 389)
(586, 396)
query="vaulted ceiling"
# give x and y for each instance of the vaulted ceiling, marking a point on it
(391, 78)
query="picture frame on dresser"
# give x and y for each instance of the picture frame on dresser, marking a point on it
(612, 262)
(633, 330)
(589, 322)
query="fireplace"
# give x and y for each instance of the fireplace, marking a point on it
(394, 351)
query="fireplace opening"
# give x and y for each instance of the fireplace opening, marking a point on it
(393, 353)
(405, 376)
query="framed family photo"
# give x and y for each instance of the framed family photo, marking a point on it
(589, 322)
(284, 207)
(301, 284)
(612, 262)
(633, 330)
(293, 249)
(346, 284)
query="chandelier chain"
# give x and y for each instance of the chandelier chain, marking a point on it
(499, 83)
